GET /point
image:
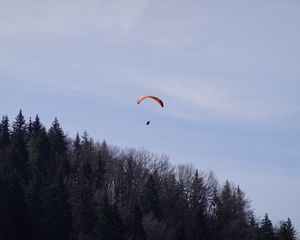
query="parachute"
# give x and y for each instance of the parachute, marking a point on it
(159, 101)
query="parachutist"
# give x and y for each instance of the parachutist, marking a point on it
(159, 101)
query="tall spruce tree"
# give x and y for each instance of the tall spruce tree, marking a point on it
(231, 220)
(150, 202)
(18, 178)
(58, 210)
(83, 192)
(56, 198)
(287, 231)
(4, 133)
(39, 151)
(38, 189)
(198, 227)
(109, 224)
(266, 230)
(6, 221)
(58, 154)
(135, 227)
(102, 158)
(75, 161)
(18, 152)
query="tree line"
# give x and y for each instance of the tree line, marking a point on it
(56, 187)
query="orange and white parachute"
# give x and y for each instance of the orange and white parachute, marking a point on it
(158, 100)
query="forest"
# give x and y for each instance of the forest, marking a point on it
(53, 186)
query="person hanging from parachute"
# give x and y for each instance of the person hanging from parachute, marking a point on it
(158, 100)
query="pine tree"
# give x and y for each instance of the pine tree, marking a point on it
(77, 147)
(83, 195)
(224, 212)
(102, 157)
(253, 227)
(117, 223)
(6, 222)
(198, 227)
(18, 152)
(57, 213)
(38, 148)
(75, 161)
(231, 219)
(58, 153)
(135, 228)
(83, 203)
(4, 133)
(150, 200)
(266, 230)
(38, 189)
(18, 179)
(109, 224)
(57, 138)
(287, 231)
(58, 210)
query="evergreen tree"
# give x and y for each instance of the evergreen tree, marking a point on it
(29, 127)
(18, 152)
(4, 134)
(287, 231)
(38, 189)
(224, 212)
(135, 228)
(83, 203)
(16, 206)
(57, 138)
(117, 223)
(38, 148)
(109, 224)
(198, 227)
(77, 154)
(58, 152)
(58, 210)
(5, 170)
(253, 228)
(266, 230)
(150, 199)
(102, 157)
(75, 162)
(56, 197)
(231, 219)
(17, 179)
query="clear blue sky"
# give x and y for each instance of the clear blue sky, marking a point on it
(228, 72)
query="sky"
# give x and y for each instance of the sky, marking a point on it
(227, 71)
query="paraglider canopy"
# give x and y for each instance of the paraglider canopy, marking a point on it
(159, 101)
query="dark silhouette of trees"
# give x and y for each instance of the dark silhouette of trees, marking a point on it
(135, 224)
(287, 231)
(6, 218)
(150, 200)
(266, 229)
(56, 187)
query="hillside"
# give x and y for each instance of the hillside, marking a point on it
(56, 187)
